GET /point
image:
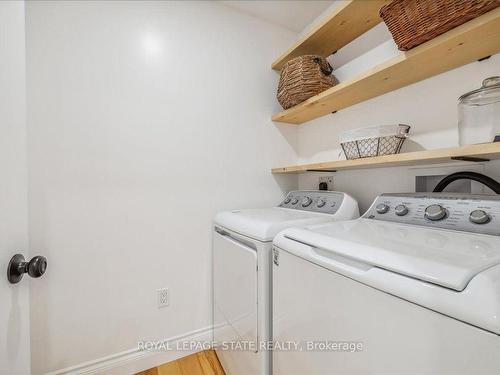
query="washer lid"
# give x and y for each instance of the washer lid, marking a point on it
(446, 258)
(263, 224)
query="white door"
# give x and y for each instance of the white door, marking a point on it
(14, 299)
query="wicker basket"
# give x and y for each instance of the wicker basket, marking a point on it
(302, 78)
(413, 22)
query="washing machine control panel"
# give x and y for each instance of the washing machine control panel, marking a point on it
(327, 202)
(462, 212)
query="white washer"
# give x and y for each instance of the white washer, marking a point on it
(412, 287)
(242, 243)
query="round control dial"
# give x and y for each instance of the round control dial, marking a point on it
(320, 203)
(295, 201)
(287, 200)
(401, 210)
(306, 201)
(479, 217)
(382, 208)
(435, 212)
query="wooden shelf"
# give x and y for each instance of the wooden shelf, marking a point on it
(467, 43)
(345, 24)
(481, 152)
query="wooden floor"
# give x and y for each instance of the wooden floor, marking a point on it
(202, 363)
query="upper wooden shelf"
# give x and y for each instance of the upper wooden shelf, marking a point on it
(464, 44)
(481, 152)
(346, 23)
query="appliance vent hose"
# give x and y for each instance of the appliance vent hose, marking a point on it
(485, 180)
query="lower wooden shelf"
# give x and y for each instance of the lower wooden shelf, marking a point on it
(480, 152)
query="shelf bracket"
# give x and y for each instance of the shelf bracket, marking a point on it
(469, 158)
(322, 170)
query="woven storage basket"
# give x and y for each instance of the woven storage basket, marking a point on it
(302, 78)
(413, 22)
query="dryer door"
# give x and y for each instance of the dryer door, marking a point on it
(235, 288)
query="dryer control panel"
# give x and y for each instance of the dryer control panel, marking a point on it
(327, 202)
(462, 212)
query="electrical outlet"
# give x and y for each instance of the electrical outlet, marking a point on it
(163, 297)
(328, 180)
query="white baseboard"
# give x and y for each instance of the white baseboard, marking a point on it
(135, 360)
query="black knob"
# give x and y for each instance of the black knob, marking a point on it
(18, 267)
(37, 266)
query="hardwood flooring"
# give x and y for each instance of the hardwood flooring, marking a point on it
(202, 363)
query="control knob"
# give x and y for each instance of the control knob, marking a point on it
(321, 202)
(287, 200)
(382, 208)
(479, 217)
(435, 212)
(306, 201)
(295, 201)
(401, 210)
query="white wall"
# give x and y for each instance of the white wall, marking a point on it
(144, 119)
(14, 299)
(429, 106)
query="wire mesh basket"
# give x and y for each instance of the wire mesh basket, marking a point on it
(374, 141)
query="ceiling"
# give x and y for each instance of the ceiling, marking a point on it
(292, 15)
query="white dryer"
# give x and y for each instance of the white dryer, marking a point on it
(412, 287)
(242, 244)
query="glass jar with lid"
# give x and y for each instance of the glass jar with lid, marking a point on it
(479, 113)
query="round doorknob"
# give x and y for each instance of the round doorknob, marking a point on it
(37, 266)
(18, 266)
